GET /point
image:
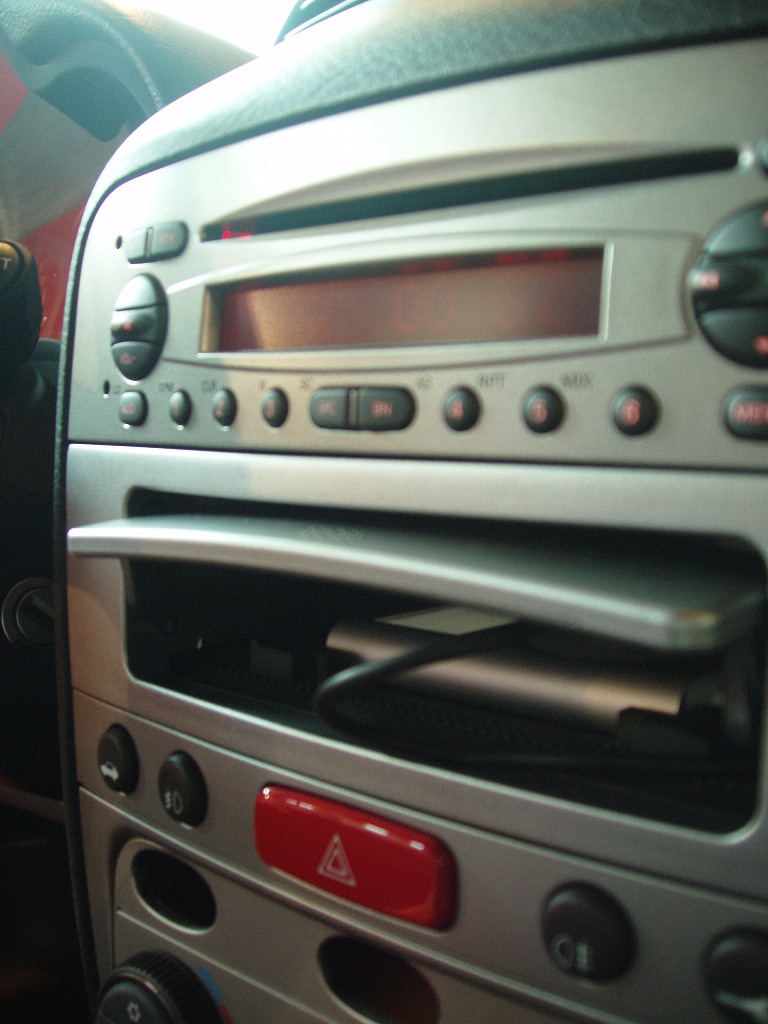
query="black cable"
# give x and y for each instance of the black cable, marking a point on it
(389, 670)
(390, 673)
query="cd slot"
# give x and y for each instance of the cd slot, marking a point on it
(618, 670)
(542, 181)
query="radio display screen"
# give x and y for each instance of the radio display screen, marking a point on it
(550, 293)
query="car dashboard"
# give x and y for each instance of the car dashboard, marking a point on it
(411, 528)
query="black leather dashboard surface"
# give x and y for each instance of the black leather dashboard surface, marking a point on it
(384, 49)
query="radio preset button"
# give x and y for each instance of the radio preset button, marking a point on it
(543, 410)
(224, 407)
(384, 409)
(180, 408)
(274, 407)
(635, 411)
(329, 408)
(132, 408)
(461, 409)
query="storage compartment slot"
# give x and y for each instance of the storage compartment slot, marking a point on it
(622, 670)
(174, 890)
(376, 984)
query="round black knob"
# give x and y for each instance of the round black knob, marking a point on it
(182, 789)
(118, 760)
(155, 988)
(21, 309)
(587, 933)
(736, 971)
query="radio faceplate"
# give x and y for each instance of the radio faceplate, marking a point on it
(618, 392)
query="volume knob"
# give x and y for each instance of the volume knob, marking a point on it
(155, 988)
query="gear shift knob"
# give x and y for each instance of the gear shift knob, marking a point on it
(20, 308)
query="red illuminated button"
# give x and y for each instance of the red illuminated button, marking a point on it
(357, 856)
(384, 408)
(635, 411)
(543, 410)
(461, 409)
(746, 413)
(329, 408)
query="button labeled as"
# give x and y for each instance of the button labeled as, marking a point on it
(329, 408)
(357, 856)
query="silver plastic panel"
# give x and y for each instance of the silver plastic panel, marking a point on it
(698, 502)
(248, 968)
(495, 941)
(684, 607)
(688, 475)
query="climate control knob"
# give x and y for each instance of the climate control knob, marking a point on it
(155, 988)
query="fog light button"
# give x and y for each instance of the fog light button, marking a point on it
(182, 789)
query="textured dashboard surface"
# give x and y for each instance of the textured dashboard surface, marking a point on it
(385, 49)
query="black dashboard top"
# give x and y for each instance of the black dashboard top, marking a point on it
(385, 49)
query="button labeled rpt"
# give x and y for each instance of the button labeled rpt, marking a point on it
(357, 856)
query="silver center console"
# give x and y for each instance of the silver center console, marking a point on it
(477, 378)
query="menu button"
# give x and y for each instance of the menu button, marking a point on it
(746, 413)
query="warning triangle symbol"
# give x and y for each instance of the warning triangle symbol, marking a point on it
(335, 865)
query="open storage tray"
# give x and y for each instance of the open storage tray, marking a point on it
(636, 685)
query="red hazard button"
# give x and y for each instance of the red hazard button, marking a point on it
(357, 856)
